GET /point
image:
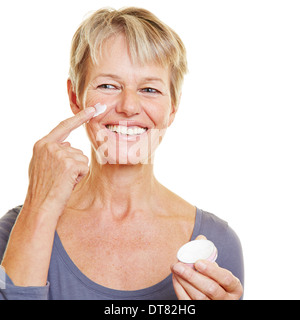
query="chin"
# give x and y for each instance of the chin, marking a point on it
(128, 159)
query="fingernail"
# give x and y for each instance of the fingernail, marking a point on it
(90, 110)
(178, 268)
(201, 237)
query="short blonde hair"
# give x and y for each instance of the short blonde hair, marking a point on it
(148, 38)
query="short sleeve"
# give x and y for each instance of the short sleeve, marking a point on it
(8, 291)
(6, 224)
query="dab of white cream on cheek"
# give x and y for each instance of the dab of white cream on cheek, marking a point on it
(100, 108)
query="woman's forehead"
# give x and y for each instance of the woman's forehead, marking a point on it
(115, 61)
(117, 47)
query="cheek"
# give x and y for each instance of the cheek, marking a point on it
(161, 118)
(93, 128)
(91, 132)
(94, 96)
(164, 111)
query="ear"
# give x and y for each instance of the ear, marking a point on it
(173, 111)
(72, 98)
(172, 115)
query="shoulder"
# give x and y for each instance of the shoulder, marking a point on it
(215, 228)
(211, 222)
(230, 254)
(6, 224)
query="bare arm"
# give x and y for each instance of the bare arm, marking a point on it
(54, 171)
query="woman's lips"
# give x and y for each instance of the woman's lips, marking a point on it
(131, 130)
(126, 123)
(124, 132)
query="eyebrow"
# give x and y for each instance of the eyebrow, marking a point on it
(150, 79)
(108, 75)
(116, 77)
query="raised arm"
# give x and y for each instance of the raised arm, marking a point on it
(54, 171)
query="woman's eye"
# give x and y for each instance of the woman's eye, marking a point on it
(150, 90)
(106, 86)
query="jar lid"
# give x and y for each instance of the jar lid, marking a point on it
(196, 250)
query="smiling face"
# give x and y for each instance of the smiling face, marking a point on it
(138, 102)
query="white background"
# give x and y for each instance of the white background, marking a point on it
(234, 147)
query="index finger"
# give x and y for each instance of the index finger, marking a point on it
(65, 127)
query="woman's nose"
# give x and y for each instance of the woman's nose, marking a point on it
(129, 103)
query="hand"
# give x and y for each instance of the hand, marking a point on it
(207, 282)
(56, 167)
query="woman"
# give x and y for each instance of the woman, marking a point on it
(110, 230)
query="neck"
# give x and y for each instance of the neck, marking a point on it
(117, 189)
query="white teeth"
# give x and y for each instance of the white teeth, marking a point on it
(126, 130)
